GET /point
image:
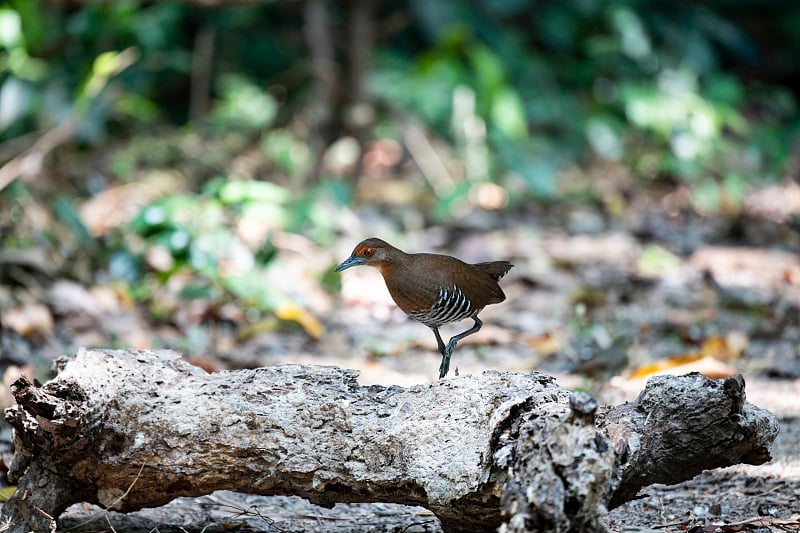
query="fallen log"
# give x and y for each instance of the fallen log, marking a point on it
(133, 429)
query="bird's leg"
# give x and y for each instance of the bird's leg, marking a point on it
(439, 340)
(442, 350)
(451, 345)
(454, 340)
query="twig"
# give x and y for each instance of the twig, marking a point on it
(112, 504)
(138, 475)
(30, 162)
(108, 521)
(241, 511)
(766, 521)
(430, 164)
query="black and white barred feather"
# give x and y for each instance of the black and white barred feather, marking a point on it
(450, 306)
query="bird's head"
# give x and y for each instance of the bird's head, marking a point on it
(371, 252)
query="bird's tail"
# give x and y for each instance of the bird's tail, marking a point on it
(496, 269)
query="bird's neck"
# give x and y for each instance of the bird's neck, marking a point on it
(394, 263)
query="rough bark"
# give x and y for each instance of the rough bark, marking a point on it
(673, 417)
(127, 429)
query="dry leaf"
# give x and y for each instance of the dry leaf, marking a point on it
(684, 364)
(747, 267)
(726, 348)
(545, 344)
(709, 360)
(7, 492)
(117, 205)
(205, 363)
(295, 313)
(70, 298)
(31, 320)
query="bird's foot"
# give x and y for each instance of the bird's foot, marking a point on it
(446, 353)
(445, 366)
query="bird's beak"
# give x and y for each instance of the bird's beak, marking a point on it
(349, 262)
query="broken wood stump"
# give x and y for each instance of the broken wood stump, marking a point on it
(132, 429)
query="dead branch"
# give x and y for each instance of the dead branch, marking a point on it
(134, 429)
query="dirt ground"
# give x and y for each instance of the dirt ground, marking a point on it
(738, 498)
(601, 304)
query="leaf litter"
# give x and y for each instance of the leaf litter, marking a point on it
(601, 311)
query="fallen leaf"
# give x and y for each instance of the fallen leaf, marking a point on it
(70, 298)
(206, 364)
(747, 267)
(793, 520)
(726, 348)
(7, 492)
(776, 202)
(249, 331)
(117, 205)
(545, 344)
(31, 320)
(709, 360)
(293, 312)
(684, 364)
(655, 260)
(159, 258)
(610, 248)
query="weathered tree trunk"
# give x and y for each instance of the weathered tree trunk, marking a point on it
(128, 429)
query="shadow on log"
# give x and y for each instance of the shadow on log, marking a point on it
(133, 429)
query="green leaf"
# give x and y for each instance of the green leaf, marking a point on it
(67, 214)
(245, 103)
(104, 67)
(489, 70)
(290, 154)
(10, 28)
(655, 260)
(241, 191)
(449, 204)
(220, 245)
(124, 266)
(706, 196)
(151, 219)
(199, 290)
(254, 288)
(508, 114)
(177, 241)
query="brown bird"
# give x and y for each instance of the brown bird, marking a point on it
(433, 289)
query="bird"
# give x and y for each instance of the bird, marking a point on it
(433, 289)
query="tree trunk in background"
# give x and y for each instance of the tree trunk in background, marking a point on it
(339, 60)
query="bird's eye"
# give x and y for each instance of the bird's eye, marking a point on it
(368, 252)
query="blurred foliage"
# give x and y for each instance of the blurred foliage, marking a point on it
(702, 93)
(665, 87)
(222, 235)
(682, 90)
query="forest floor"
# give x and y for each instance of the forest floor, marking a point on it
(602, 302)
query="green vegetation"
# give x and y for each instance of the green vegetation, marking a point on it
(516, 91)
